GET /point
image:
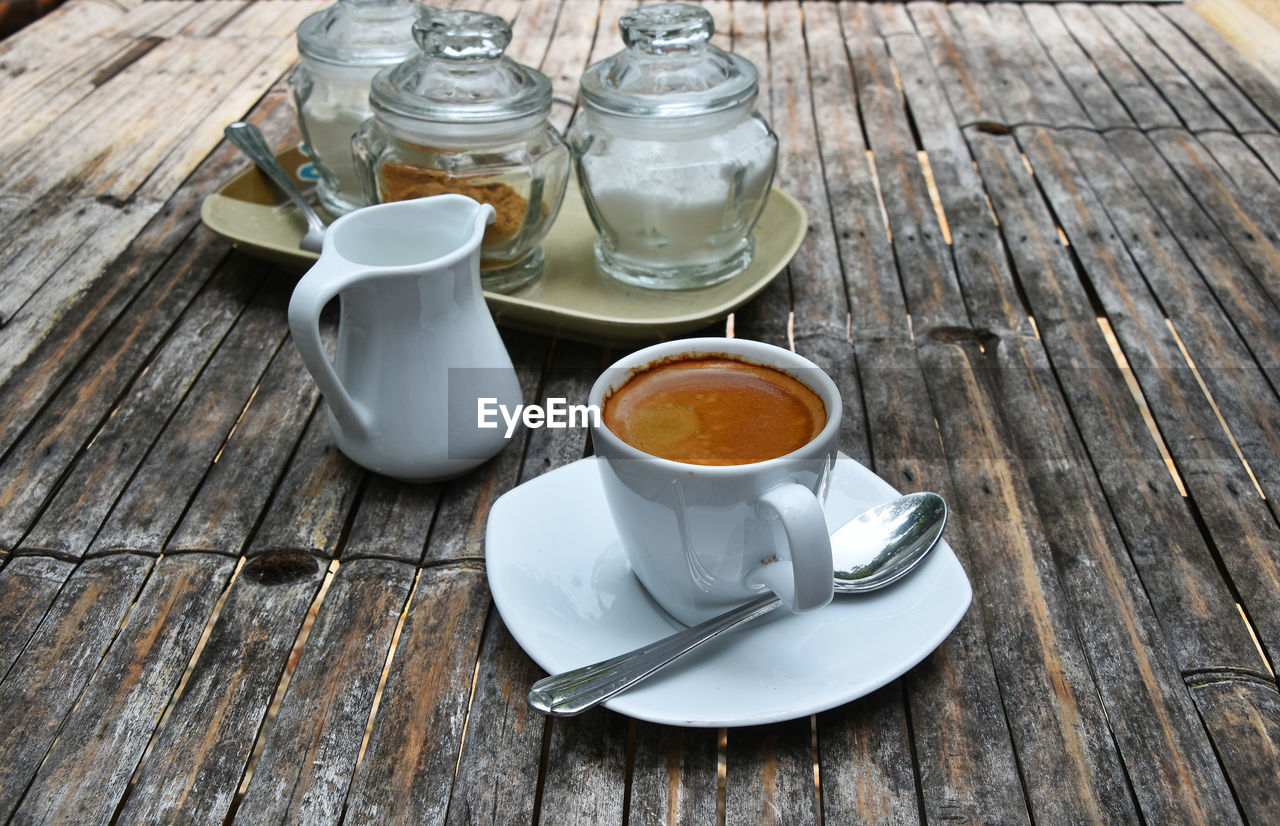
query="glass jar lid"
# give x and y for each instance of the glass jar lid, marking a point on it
(460, 74)
(360, 32)
(669, 68)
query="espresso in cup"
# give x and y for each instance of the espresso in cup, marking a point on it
(714, 410)
(714, 456)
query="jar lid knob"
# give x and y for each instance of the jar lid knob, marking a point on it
(667, 27)
(458, 34)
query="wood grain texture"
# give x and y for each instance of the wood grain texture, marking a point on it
(1169, 79)
(115, 717)
(861, 775)
(28, 586)
(311, 503)
(1080, 74)
(1260, 90)
(199, 756)
(673, 775)
(769, 775)
(310, 751)
(118, 321)
(47, 679)
(113, 183)
(1145, 104)
(413, 747)
(501, 759)
(1218, 89)
(231, 496)
(163, 485)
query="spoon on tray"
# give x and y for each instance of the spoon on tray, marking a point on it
(869, 552)
(249, 139)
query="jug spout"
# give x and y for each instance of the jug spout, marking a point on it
(412, 314)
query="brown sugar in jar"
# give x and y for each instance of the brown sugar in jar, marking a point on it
(402, 181)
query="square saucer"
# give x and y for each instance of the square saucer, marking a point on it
(561, 582)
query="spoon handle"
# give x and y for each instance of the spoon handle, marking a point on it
(249, 139)
(573, 692)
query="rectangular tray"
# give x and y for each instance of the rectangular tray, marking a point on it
(572, 299)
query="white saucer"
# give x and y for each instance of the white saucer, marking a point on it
(561, 581)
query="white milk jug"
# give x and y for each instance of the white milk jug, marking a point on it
(417, 352)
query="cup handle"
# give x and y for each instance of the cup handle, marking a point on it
(315, 289)
(806, 583)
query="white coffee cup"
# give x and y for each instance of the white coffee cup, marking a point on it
(703, 539)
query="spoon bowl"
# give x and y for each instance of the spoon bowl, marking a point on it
(869, 552)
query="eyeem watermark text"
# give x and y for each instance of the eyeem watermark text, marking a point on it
(556, 413)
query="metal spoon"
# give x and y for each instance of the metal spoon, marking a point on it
(870, 551)
(250, 141)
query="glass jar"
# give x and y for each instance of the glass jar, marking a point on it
(673, 162)
(341, 48)
(459, 116)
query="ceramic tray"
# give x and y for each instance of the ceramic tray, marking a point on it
(572, 299)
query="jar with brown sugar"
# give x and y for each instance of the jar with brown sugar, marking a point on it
(461, 117)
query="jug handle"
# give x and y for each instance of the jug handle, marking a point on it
(315, 289)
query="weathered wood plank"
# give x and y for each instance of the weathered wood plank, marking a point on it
(1107, 227)
(1034, 649)
(975, 240)
(949, 53)
(498, 768)
(28, 586)
(1218, 88)
(531, 31)
(57, 239)
(1192, 431)
(392, 520)
(237, 487)
(132, 181)
(149, 508)
(87, 771)
(586, 769)
(85, 55)
(1227, 275)
(922, 253)
(1167, 77)
(863, 774)
(575, 32)
(1245, 716)
(1181, 779)
(956, 688)
(863, 251)
(43, 685)
(1256, 85)
(497, 779)
(413, 747)
(769, 774)
(120, 318)
(310, 750)
(1241, 209)
(817, 290)
(765, 318)
(1081, 75)
(673, 775)
(199, 756)
(1055, 718)
(1023, 83)
(1145, 104)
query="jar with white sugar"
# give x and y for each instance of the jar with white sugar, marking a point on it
(673, 161)
(341, 48)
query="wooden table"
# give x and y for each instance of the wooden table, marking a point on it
(1043, 264)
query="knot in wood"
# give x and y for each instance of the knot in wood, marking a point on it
(280, 567)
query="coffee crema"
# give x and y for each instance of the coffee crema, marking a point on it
(714, 410)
